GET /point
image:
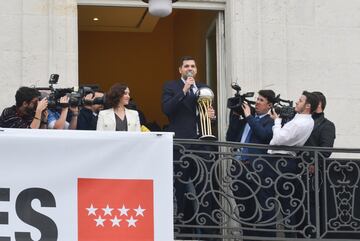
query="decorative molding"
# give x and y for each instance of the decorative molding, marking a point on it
(201, 5)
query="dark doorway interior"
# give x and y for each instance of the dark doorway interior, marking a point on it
(130, 46)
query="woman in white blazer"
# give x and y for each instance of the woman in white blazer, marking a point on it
(118, 118)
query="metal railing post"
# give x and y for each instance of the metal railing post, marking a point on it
(317, 194)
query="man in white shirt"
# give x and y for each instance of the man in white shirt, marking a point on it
(297, 131)
(286, 166)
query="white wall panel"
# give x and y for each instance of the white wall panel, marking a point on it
(37, 38)
(296, 45)
(287, 45)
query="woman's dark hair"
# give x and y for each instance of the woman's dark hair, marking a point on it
(115, 93)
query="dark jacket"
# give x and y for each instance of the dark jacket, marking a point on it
(180, 110)
(261, 130)
(86, 120)
(323, 134)
(10, 119)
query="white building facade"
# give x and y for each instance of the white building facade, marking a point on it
(285, 45)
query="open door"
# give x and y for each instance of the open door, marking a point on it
(215, 71)
(127, 45)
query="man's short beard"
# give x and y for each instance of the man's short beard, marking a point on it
(30, 111)
(301, 110)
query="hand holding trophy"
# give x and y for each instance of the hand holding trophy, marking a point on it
(205, 97)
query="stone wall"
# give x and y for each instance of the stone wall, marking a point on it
(37, 38)
(285, 45)
(292, 45)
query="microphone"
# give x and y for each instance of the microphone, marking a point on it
(189, 74)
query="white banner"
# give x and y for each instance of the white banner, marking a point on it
(85, 186)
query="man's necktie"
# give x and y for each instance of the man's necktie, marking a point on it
(245, 150)
(191, 91)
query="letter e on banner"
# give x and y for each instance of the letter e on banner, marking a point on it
(115, 209)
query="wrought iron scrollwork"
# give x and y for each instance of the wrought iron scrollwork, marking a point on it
(218, 194)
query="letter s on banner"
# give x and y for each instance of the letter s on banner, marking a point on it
(46, 225)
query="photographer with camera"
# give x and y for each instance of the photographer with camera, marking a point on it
(284, 109)
(298, 130)
(88, 115)
(29, 111)
(293, 133)
(245, 127)
(252, 128)
(59, 101)
(57, 118)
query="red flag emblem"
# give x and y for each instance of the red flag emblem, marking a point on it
(115, 209)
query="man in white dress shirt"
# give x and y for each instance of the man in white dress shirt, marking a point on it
(286, 167)
(297, 131)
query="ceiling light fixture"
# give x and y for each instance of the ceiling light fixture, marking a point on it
(160, 8)
(95, 19)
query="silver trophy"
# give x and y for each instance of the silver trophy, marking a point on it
(205, 97)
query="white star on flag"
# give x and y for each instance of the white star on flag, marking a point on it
(99, 221)
(91, 210)
(131, 221)
(115, 221)
(107, 210)
(139, 211)
(123, 210)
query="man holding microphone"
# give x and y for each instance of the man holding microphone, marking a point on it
(179, 101)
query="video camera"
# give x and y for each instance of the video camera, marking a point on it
(75, 94)
(284, 108)
(235, 103)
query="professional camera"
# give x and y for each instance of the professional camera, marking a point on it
(235, 103)
(284, 108)
(92, 89)
(54, 94)
(96, 101)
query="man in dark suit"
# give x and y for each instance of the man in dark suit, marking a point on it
(88, 115)
(323, 135)
(253, 128)
(179, 103)
(248, 128)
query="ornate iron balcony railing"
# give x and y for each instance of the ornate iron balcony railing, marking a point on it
(223, 193)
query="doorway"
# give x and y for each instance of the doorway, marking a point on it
(127, 45)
